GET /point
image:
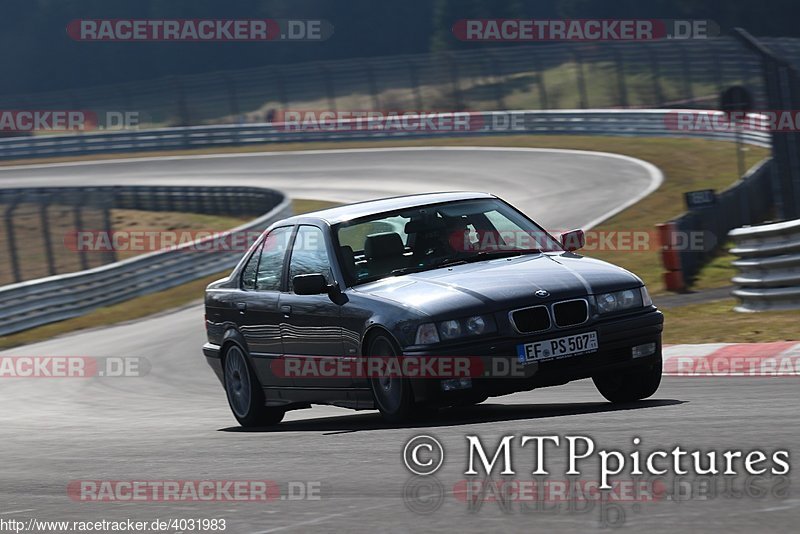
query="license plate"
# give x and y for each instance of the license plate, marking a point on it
(561, 347)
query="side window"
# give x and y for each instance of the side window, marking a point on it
(309, 254)
(270, 267)
(249, 271)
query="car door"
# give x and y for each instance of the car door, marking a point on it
(311, 324)
(258, 307)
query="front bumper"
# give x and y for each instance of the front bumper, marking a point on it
(616, 338)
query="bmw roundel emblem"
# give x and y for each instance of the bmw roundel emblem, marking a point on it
(542, 293)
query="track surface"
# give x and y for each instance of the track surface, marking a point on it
(174, 424)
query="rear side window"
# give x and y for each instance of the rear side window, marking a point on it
(270, 265)
(250, 269)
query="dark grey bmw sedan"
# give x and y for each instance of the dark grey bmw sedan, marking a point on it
(423, 301)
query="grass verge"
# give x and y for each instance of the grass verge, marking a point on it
(716, 322)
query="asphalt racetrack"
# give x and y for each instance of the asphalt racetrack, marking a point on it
(340, 470)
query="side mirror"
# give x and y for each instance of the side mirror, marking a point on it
(309, 284)
(573, 240)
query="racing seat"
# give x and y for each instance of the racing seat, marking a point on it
(427, 237)
(384, 253)
(349, 263)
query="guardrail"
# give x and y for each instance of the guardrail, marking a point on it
(37, 302)
(769, 265)
(552, 122)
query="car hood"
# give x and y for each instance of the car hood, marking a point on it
(503, 283)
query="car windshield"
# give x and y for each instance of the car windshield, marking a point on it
(428, 237)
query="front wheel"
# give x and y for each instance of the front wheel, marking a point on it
(631, 385)
(392, 394)
(245, 396)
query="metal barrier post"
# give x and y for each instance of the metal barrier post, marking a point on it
(11, 239)
(44, 220)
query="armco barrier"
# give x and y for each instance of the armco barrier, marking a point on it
(554, 122)
(45, 300)
(769, 265)
(691, 239)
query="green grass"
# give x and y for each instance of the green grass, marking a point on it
(713, 322)
(718, 272)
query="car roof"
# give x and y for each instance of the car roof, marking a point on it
(357, 210)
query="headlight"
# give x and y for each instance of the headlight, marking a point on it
(621, 300)
(607, 302)
(449, 329)
(629, 298)
(476, 325)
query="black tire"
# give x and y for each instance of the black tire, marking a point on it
(245, 396)
(631, 385)
(393, 395)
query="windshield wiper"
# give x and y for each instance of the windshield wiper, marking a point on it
(419, 268)
(487, 254)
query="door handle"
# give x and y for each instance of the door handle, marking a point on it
(241, 306)
(286, 310)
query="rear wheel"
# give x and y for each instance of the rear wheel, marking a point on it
(245, 396)
(393, 395)
(631, 385)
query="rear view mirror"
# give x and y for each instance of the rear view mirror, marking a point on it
(310, 284)
(573, 240)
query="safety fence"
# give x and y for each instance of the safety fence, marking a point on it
(571, 75)
(34, 221)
